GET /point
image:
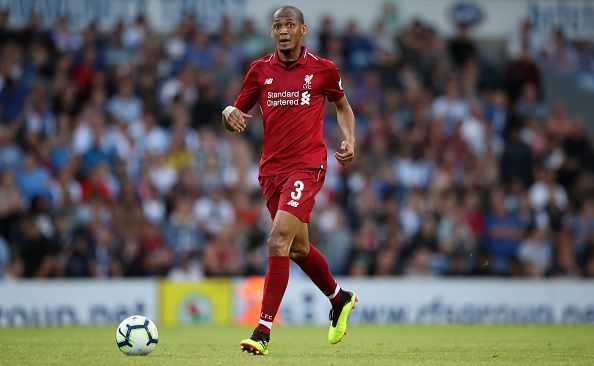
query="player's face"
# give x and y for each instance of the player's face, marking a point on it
(287, 32)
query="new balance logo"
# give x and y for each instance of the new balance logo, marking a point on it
(293, 203)
(268, 81)
(305, 97)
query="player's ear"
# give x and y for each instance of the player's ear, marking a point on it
(304, 29)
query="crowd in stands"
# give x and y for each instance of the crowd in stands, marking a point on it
(113, 160)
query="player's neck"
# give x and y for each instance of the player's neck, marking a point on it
(290, 56)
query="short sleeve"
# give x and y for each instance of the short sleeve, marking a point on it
(249, 92)
(333, 90)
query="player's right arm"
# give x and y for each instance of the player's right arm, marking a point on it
(234, 116)
(234, 119)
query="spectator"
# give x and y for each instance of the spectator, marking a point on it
(450, 106)
(525, 38)
(116, 52)
(135, 33)
(200, 52)
(326, 35)
(147, 135)
(40, 122)
(516, 161)
(181, 87)
(4, 257)
(578, 153)
(336, 239)
(496, 111)
(221, 256)
(12, 204)
(455, 239)
(214, 212)
(582, 227)
(528, 105)
(32, 179)
(358, 48)
(559, 53)
(253, 41)
(475, 129)
(14, 91)
(424, 240)
(5, 33)
(77, 256)
(503, 235)
(548, 197)
(383, 40)
(523, 70)
(156, 256)
(125, 106)
(182, 231)
(462, 48)
(105, 253)
(535, 252)
(65, 39)
(190, 269)
(363, 252)
(36, 252)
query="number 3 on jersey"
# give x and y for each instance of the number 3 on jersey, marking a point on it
(296, 195)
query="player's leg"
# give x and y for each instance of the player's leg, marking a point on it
(313, 263)
(284, 228)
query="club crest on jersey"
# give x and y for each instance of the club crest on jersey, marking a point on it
(307, 81)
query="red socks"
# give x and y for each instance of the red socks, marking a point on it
(277, 278)
(275, 284)
(315, 266)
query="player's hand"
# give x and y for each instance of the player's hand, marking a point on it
(234, 119)
(347, 152)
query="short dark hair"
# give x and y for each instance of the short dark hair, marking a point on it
(290, 8)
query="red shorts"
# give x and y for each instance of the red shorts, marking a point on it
(292, 192)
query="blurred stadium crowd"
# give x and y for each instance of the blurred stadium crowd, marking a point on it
(113, 160)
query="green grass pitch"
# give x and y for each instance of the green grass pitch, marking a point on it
(291, 345)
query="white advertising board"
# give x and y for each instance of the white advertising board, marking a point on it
(75, 302)
(448, 301)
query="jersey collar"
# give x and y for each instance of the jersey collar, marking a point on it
(300, 61)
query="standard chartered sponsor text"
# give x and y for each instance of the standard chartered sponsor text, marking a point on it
(283, 98)
(274, 103)
(283, 94)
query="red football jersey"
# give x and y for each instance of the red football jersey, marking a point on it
(292, 105)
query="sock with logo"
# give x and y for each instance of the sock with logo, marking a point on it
(316, 267)
(275, 284)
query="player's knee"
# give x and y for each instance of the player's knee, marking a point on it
(279, 242)
(299, 251)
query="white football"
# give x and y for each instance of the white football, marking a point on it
(137, 336)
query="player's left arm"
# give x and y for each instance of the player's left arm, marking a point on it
(344, 113)
(346, 122)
